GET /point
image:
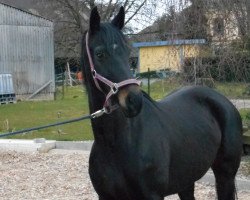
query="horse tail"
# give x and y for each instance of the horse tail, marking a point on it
(228, 157)
(230, 123)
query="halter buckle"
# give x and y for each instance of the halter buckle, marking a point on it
(114, 88)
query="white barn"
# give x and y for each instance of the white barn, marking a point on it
(27, 53)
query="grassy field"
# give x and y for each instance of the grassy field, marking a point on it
(28, 114)
(232, 90)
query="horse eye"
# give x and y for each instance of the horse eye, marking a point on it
(100, 54)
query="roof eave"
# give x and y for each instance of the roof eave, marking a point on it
(170, 43)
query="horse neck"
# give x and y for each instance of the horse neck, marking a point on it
(107, 126)
(96, 98)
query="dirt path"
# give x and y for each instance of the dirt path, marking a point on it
(241, 103)
(61, 175)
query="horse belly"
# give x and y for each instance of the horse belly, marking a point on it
(191, 158)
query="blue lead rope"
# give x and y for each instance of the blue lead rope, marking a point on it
(92, 116)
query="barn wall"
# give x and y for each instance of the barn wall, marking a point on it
(27, 51)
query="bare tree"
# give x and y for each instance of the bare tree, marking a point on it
(189, 23)
(228, 27)
(241, 11)
(225, 24)
(71, 18)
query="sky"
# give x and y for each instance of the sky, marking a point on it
(152, 10)
(157, 9)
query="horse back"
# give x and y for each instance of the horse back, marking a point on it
(203, 98)
(205, 107)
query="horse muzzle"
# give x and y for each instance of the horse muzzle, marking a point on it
(130, 100)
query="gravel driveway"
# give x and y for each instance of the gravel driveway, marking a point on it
(241, 103)
(61, 174)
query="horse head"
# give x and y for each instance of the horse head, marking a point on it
(108, 53)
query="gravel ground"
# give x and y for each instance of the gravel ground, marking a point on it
(63, 175)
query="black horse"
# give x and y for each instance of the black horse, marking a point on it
(145, 150)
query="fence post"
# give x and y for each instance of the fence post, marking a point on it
(148, 81)
(63, 84)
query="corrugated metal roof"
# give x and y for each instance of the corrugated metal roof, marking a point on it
(13, 16)
(169, 43)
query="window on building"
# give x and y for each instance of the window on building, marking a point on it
(219, 26)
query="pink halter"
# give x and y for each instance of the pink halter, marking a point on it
(114, 87)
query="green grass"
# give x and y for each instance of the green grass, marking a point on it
(232, 90)
(160, 89)
(29, 114)
(245, 115)
(75, 104)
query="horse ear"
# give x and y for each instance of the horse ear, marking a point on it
(119, 19)
(94, 21)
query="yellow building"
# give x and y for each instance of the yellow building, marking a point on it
(167, 54)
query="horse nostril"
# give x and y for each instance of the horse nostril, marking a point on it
(131, 99)
(133, 103)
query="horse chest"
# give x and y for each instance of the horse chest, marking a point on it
(131, 175)
(105, 174)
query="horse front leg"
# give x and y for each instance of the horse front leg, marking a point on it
(101, 198)
(187, 194)
(105, 198)
(150, 196)
(156, 198)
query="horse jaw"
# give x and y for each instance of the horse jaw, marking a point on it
(130, 100)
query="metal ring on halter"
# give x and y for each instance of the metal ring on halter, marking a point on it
(115, 88)
(107, 110)
(94, 73)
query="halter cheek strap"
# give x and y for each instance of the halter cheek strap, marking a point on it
(114, 87)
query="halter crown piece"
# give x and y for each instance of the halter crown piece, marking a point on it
(114, 87)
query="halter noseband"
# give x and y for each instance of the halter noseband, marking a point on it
(114, 87)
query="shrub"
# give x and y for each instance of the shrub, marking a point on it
(234, 68)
